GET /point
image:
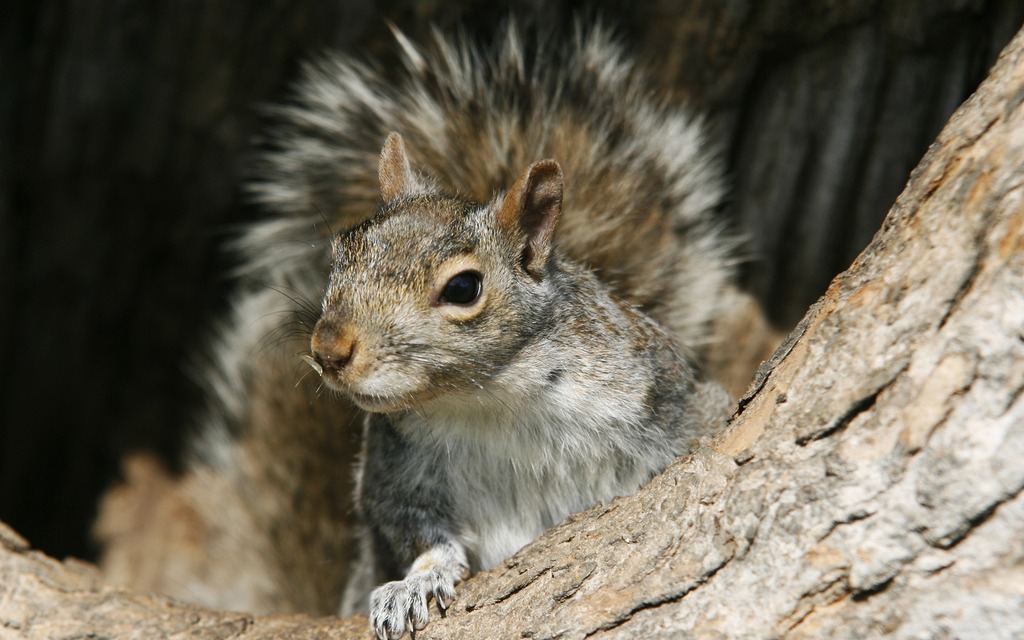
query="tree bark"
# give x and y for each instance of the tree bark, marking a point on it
(869, 484)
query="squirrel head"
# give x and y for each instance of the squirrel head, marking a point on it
(435, 295)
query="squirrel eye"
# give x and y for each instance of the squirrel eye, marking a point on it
(463, 288)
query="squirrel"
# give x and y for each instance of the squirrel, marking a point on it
(526, 275)
(503, 347)
(506, 386)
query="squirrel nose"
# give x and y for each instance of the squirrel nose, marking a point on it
(332, 346)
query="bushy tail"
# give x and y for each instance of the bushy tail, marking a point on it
(641, 183)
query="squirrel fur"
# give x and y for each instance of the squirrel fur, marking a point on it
(507, 387)
(586, 207)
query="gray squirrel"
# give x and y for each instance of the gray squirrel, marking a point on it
(526, 272)
(507, 386)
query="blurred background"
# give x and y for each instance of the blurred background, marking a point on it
(126, 127)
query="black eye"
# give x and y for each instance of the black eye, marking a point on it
(463, 288)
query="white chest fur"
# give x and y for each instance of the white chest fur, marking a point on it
(520, 462)
(513, 504)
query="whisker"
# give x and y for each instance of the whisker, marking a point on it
(327, 222)
(302, 377)
(296, 298)
(285, 332)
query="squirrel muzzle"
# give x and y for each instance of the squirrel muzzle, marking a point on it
(332, 347)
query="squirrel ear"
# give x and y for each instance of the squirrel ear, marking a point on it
(532, 207)
(395, 174)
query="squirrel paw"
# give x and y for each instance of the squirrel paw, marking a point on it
(400, 606)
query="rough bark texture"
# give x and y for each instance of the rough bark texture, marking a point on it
(124, 128)
(870, 483)
(43, 598)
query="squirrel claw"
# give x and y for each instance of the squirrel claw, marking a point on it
(400, 606)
